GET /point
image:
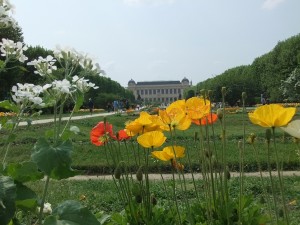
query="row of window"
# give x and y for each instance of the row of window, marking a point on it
(158, 91)
(159, 99)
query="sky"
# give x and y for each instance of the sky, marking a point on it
(160, 40)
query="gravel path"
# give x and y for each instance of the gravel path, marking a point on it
(187, 176)
(24, 123)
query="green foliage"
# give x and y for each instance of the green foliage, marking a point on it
(54, 161)
(264, 75)
(12, 33)
(7, 199)
(71, 213)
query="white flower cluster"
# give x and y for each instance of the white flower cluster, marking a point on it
(75, 58)
(44, 66)
(28, 94)
(6, 9)
(82, 84)
(10, 49)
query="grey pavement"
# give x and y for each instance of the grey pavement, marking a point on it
(41, 121)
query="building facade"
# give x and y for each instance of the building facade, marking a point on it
(162, 92)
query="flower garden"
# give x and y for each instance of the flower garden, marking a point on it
(199, 147)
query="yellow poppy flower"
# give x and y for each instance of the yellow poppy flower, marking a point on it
(272, 115)
(197, 107)
(177, 104)
(152, 139)
(143, 124)
(174, 118)
(169, 152)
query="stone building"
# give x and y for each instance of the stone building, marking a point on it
(162, 92)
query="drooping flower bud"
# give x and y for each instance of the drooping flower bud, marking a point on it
(139, 174)
(118, 172)
(251, 138)
(220, 114)
(223, 91)
(244, 96)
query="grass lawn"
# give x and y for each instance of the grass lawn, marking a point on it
(92, 159)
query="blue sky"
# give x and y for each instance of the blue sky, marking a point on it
(161, 39)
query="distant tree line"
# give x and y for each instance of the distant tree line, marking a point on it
(269, 74)
(17, 72)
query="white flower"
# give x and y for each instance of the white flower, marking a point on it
(43, 66)
(62, 86)
(10, 49)
(27, 94)
(75, 129)
(82, 84)
(47, 208)
(293, 128)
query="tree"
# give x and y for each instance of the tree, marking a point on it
(291, 86)
(12, 33)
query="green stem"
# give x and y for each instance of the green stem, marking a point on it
(43, 200)
(280, 180)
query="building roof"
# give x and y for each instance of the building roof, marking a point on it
(158, 82)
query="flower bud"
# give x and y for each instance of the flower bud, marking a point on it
(209, 94)
(251, 138)
(118, 172)
(195, 136)
(220, 113)
(153, 199)
(227, 174)
(139, 174)
(244, 96)
(223, 91)
(138, 198)
(268, 135)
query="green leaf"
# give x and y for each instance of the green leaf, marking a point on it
(54, 161)
(71, 213)
(79, 101)
(9, 106)
(7, 199)
(26, 198)
(23, 172)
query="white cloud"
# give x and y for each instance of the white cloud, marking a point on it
(271, 4)
(148, 2)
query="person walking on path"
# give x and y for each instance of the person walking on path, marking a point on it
(91, 106)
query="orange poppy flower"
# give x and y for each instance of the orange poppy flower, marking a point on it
(208, 119)
(101, 133)
(122, 135)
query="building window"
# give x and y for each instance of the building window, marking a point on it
(142, 92)
(150, 92)
(158, 99)
(162, 91)
(158, 91)
(175, 99)
(167, 99)
(171, 99)
(167, 91)
(150, 99)
(171, 91)
(175, 91)
(137, 92)
(154, 91)
(146, 92)
(162, 99)
(179, 91)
